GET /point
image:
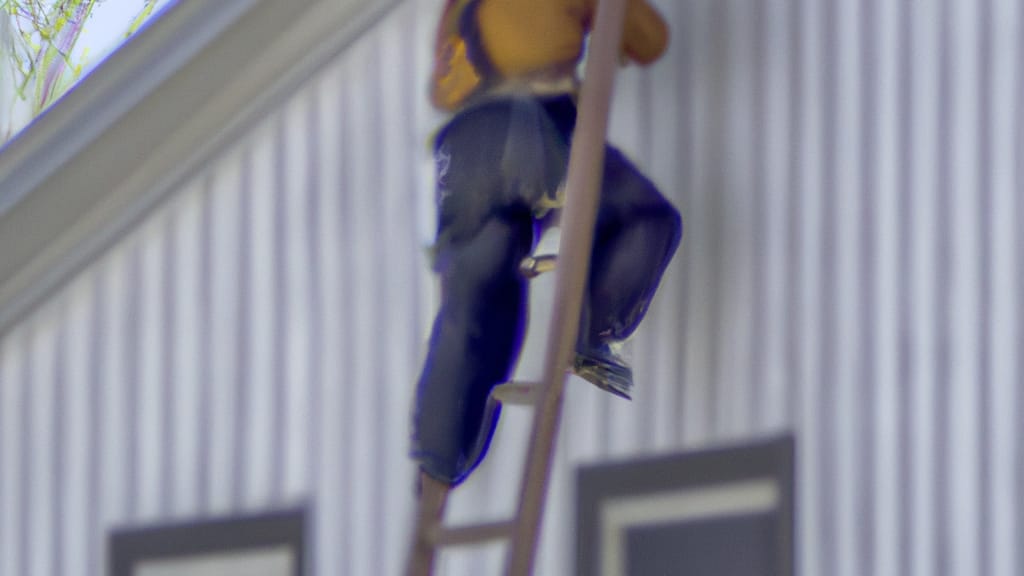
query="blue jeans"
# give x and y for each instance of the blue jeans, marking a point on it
(499, 164)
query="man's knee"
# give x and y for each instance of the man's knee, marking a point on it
(671, 224)
(493, 252)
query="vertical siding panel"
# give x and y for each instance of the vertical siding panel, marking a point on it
(966, 390)
(13, 471)
(265, 351)
(347, 409)
(888, 540)
(284, 307)
(363, 322)
(295, 266)
(739, 223)
(25, 503)
(281, 309)
(78, 452)
(59, 445)
(427, 119)
(185, 378)
(168, 378)
(131, 375)
(204, 417)
(759, 242)
(847, 282)
(418, 178)
(717, 189)
(112, 436)
(39, 507)
(330, 523)
(98, 380)
(982, 292)
(148, 364)
(1018, 124)
(813, 532)
(315, 437)
(866, 382)
(666, 152)
(7, 431)
(5, 530)
(794, 208)
(905, 182)
(314, 354)
(797, 367)
(691, 404)
(724, 135)
(226, 220)
(716, 139)
(942, 471)
(644, 338)
(849, 378)
(695, 402)
(145, 367)
(377, 278)
(924, 264)
(829, 504)
(416, 112)
(1002, 486)
(326, 448)
(683, 161)
(396, 149)
(776, 80)
(240, 403)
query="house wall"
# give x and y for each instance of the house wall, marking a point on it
(851, 271)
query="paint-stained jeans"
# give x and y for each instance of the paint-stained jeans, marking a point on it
(499, 165)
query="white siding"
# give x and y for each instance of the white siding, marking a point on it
(852, 270)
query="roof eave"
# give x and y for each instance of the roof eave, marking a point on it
(83, 174)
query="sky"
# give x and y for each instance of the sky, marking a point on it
(104, 31)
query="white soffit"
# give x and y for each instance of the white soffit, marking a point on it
(154, 113)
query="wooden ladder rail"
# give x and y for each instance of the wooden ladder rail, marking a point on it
(586, 168)
(586, 165)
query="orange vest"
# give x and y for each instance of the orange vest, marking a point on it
(483, 43)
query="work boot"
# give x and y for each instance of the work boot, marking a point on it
(605, 369)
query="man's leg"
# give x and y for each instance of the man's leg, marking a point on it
(493, 162)
(476, 337)
(636, 234)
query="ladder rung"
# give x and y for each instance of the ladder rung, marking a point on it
(472, 534)
(533, 266)
(519, 393)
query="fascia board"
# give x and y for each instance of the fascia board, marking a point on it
(85, 175)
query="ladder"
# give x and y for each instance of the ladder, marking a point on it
(586, 162)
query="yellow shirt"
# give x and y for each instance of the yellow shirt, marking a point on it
(529, 39)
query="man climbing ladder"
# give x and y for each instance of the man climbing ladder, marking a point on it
(506, 70)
